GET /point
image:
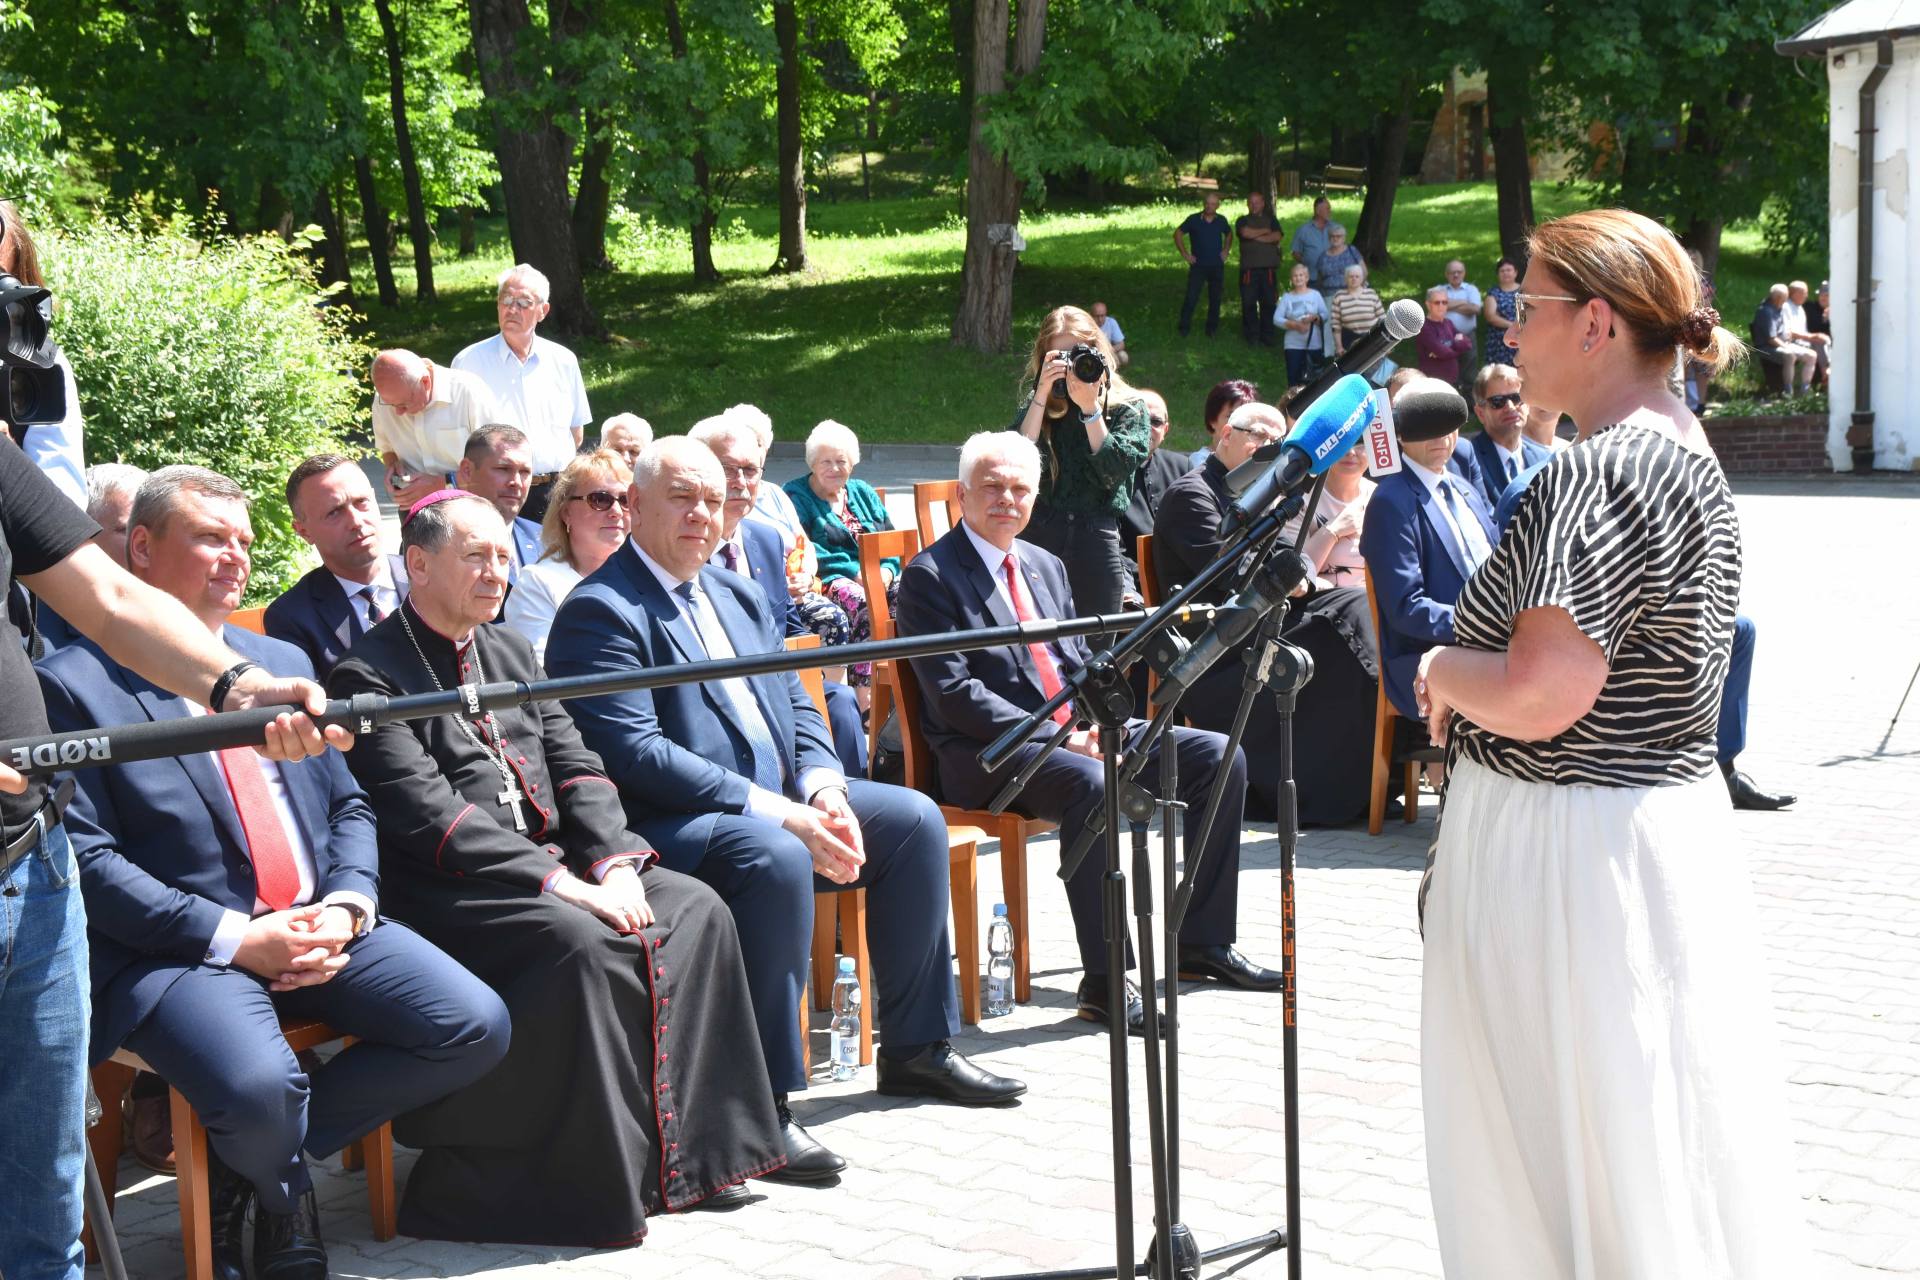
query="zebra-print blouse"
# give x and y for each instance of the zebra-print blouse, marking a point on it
(1636, 537)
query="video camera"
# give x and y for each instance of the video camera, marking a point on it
(33, 391)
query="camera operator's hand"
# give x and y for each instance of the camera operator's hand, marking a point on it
(1085, 395)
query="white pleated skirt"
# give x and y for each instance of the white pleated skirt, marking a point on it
(1603, 1089)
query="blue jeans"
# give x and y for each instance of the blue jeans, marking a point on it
(44, 1009)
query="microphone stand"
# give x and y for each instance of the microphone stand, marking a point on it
(1102, 695)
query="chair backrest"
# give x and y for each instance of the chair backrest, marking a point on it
(811, 677)
(1149, 573)
(254, 620)
(916, 757)
(875, 547)
(936, 508)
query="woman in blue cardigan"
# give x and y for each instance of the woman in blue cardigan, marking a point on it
(835, 509)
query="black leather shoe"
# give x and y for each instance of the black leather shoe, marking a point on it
(286, 1246)
(1091, 1002)
(943, 1072)
(732, 1197)
(1228, 967)
(1747, 796)
(229, 1196)
(807, 1160)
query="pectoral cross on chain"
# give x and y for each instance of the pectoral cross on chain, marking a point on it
(511, 798)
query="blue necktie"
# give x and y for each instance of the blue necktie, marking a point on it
(1473, 539)
(1513, 470)
(748, 720)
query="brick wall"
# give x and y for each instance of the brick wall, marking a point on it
(1770, 445)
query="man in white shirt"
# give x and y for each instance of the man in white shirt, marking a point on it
(497, 466)
(535, 382)
(422, 416)
(357, 584)
(1111, 328)
(1463, 310)
(1794, 313)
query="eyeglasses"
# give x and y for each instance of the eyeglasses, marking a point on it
(1265, 435)
(602, 500)
(1512, 400)
(519, 304)
(1522, 301)
(740, 473)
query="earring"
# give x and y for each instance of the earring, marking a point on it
(1586, 346)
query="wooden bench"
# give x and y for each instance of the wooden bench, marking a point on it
(1194, 182)
(1341, 177)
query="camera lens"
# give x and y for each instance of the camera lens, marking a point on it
(1088, 364)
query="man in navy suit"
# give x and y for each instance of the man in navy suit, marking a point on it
(751, 546)
(225, 891)
(1502, 448)
(1426, 531)
(981, 575)
(735, 782)
(498, 465)
(334, 509)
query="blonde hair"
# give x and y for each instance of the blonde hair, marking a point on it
(554, 544)
(1640, 269)
(1078, 323)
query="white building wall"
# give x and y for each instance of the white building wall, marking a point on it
(1896, 252)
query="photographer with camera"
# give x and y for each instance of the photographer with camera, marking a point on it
(1093, 432)
(56, 446)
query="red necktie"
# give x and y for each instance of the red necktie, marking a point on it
(1042, 656)
(276, 878)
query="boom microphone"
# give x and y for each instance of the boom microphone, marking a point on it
(1402, 321)
(1427, 409)
(1325, 431)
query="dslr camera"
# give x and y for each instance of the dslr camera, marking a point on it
(32, 389)
(1087, 363)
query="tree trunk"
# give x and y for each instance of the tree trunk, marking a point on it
(792, 254)
(1702, 231)
(593, 196)
(704, 272)
(1507, 104)
(533, 154)
(417, 229)
(1260, 166)
(1388, 157)
(469, 234)
(334, 268)
(984, 321)
(374, 218)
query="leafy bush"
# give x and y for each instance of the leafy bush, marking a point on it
(209, 351)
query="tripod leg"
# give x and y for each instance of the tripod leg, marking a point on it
(1161, 1256)
(1289, 1033)
(1114, 905)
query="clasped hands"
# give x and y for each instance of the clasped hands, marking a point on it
(831, 832)
(298, 947)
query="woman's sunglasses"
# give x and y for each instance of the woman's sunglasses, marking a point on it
(602, 500)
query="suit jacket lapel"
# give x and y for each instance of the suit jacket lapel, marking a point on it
(986, 585)
(201, 768)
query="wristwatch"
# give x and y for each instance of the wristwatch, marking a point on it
(359, 914)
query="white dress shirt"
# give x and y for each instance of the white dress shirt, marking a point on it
(232, 929)
(435, 439)
(1471, 541)
(536, 598)
(542, 395)
(386, 593)
(761, 803)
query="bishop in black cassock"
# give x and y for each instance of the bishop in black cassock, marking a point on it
(634, 1083)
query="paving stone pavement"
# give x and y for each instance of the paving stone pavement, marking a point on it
(937, 1192)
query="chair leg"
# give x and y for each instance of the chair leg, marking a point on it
(110, 1083)
(1410, 812)
(190, 1171)
(806, 1032)
(382, 1204)
(824, 948)
(1382, 772)
(853, 932)
(1013, 883)
(963, 877)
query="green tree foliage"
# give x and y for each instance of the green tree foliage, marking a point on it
(208, 351)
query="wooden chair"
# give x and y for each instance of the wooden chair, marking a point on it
(930, 497)
(254, 620)
(894, 687)
(1385, 760)
(111, 1080)
(845, 908)
(1149, 574)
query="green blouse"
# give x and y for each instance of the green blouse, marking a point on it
(1083, 481)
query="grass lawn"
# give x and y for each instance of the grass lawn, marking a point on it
(862, 336)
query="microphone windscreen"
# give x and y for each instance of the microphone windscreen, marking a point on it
(1427, 410)
(1335, 422)
(1404, 319)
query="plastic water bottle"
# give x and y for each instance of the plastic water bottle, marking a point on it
(843, 1035)
(999, 963)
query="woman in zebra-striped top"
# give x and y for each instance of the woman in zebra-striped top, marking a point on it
(1602, 1091)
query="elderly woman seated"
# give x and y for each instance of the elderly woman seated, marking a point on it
(835, 509)
(587, 519)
